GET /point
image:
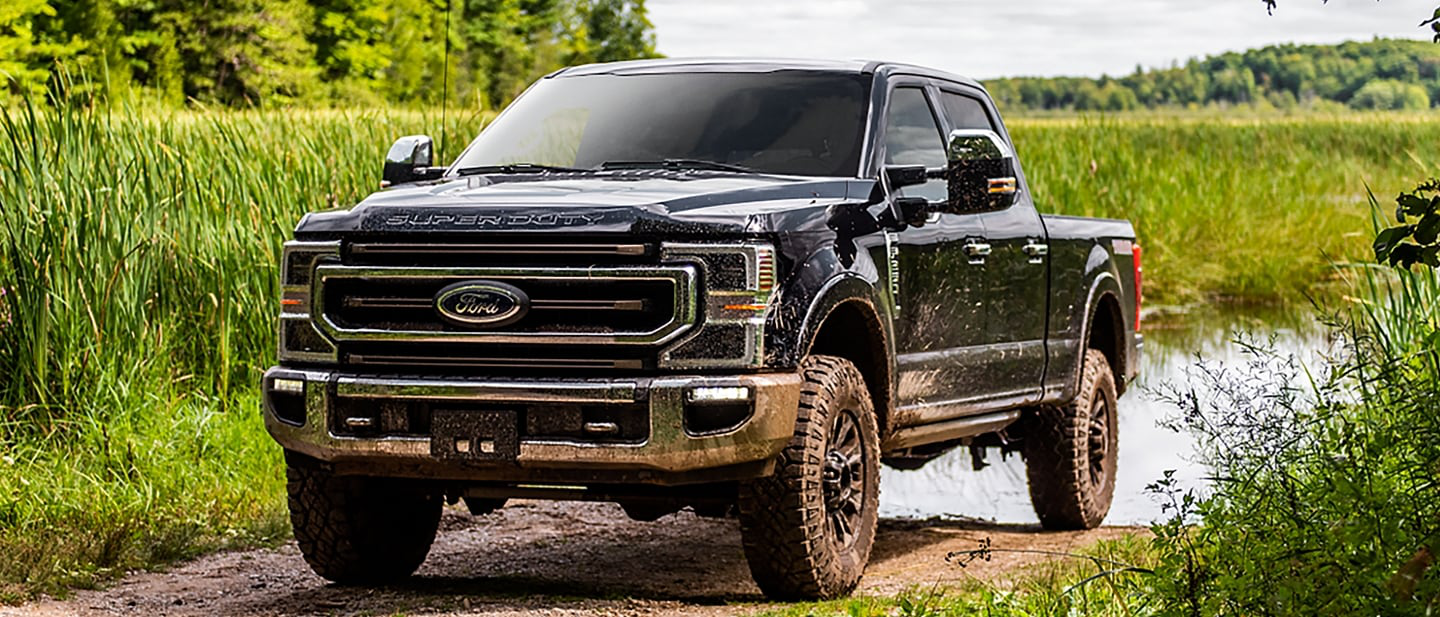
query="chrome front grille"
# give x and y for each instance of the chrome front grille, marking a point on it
(599, 305)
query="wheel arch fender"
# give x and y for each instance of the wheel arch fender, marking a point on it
(829, 299)
(1102, 293)
(1102, 328)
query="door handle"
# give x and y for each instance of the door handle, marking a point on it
(1037, 252)
(977, 252)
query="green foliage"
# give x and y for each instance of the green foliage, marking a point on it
(21, 49)
(1390, 74)
(1390, 94)
(138, 289)
(1324, 483)
(274, 52)
(611, 30)
(1248, 209)
(1416, 242)
(135, 484)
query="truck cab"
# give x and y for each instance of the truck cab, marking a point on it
(736, 286)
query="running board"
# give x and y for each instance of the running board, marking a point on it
(969, 426)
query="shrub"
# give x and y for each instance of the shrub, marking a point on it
(1324, 482)
(1390, 94)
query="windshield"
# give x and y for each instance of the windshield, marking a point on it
(784, 122)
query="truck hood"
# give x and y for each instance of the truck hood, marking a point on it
(650, 202)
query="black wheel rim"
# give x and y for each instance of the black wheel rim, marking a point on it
(844, 478)
(1099, 438)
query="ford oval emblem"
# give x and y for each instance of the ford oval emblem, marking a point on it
(481, 303)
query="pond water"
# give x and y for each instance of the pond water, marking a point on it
(949, 487)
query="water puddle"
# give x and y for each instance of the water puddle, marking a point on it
(949, 487)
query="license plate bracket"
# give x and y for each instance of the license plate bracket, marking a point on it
(474, 435)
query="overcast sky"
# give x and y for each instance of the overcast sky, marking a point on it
(985, 39)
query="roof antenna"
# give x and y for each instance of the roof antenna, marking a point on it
(445, 84)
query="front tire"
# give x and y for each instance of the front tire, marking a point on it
(808, 529)
(355, 530)
(1070, 452)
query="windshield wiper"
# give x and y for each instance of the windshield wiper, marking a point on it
(679, 164)
(517, 168)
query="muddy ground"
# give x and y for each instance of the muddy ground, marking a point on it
(540, 558)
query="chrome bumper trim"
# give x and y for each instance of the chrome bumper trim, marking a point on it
(668, 449)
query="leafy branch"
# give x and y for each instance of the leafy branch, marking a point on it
(1433, 22)
(1414, 240)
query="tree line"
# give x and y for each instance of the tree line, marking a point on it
(276, 52)
(1378, 74)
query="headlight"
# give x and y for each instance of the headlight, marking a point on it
(739, 283)
(299, 340)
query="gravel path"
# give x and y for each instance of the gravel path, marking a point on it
(540, 558)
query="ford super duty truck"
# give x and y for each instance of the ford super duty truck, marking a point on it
(732, 286)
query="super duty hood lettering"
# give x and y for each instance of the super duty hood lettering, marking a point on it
(430, 220)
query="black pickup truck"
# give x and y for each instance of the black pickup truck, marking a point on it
(733, 286)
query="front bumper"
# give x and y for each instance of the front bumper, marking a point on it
(669, 455)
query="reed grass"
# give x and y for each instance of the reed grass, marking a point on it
(1253, 209)
(138, 253)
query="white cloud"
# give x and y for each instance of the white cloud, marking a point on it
(1018, 37)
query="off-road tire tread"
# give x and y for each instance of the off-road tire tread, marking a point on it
(782, 517)
(1056, 448)
(358, 531)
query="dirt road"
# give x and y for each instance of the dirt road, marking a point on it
(552, 559)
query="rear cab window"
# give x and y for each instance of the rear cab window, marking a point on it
(965, 111)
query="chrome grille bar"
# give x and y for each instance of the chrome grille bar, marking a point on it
(541, 304)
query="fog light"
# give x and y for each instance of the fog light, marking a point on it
(717, 416)
(288, 386)
(719, 394)
(285, 405)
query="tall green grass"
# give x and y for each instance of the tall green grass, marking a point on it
(1251, 209)
(138, 253)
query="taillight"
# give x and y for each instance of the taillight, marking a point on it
(1139, 295)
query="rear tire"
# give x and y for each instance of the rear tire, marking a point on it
(809, 528)
(356, 530)
(1070, 452)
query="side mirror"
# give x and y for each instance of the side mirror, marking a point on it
(980, 172)
(901, 176)
(409, 160)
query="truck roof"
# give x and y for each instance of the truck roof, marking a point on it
(733, 65)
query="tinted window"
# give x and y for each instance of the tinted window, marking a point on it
(965, 112)
(783, 122)
(912, 137)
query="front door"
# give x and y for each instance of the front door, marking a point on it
(1016, 275)
(942, 330)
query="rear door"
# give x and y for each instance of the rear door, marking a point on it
(942, 330)
(1016, 275)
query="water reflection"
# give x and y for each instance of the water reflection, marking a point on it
(950, 487)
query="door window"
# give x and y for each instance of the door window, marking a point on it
(912, 137)
(965, 112)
